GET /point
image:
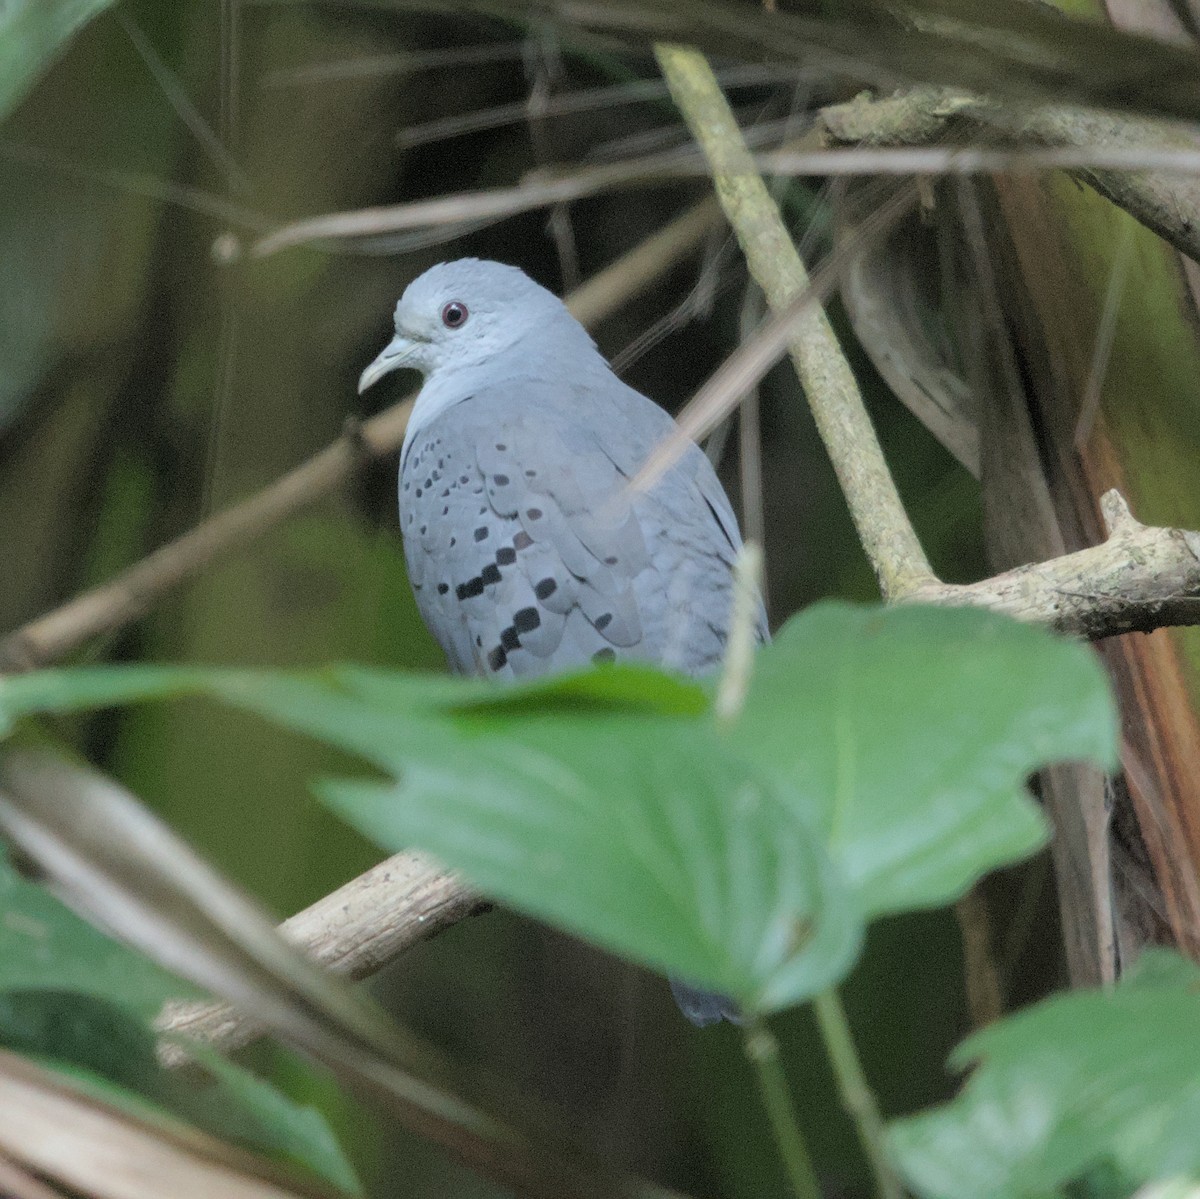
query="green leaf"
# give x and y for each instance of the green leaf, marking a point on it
(45, 946)
(73, 690)
(32, 34)
(106, 1049)
(243, 1107)
(1104, 1083)
(878, 766)
(906, 735)
(734, 896)
(635, 827)
(602, 802)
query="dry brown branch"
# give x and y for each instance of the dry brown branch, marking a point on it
(354, 931)
(1116, 170)
(134, 591)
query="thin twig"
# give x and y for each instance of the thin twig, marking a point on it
(750, 450)
(883, 527)
(745, 368)
(134, 591)
(985, 994)
(590, 99)
(738, 665)
(1096, 163)
(465, 206)
(1106, 330)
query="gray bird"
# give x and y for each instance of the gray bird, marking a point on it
(528, 552)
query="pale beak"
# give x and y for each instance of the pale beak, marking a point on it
(392, 358)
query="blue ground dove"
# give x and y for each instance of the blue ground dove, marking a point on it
(527, 550)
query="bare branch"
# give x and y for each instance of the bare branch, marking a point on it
(491, 204)
(1151, 170)
(1141, 578)
(355, 931)
(1119, 171)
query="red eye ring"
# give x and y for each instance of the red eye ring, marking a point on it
(454, 315)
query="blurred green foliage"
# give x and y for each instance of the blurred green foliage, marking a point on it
(1100, 1084)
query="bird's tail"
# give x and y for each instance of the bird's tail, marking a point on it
(704, 1007)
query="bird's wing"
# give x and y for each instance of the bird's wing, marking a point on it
(529, 552)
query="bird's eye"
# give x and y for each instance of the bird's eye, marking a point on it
(454, 315)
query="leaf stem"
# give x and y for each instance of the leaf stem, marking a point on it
(763, 1051)
(857, 1096)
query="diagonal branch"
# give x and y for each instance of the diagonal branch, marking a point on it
(354, 931)
(883, 526)
(136, 590)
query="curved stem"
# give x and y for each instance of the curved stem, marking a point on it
(763, 1051)
(857, 1096)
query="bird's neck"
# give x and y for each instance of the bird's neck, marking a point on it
(530, 359)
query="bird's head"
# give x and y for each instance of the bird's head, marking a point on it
(465, 313)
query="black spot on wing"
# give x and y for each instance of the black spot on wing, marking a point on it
(526, 620)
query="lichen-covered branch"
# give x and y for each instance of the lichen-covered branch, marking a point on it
(1141, 578)
(1166, 202)
(883, 527)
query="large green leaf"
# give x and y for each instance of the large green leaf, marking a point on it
(602, 802)
(45, 946)
(878, 766)
(1104, 1083)
(32, 34)
(113, 1055)
(907, 733)
(597, 803)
